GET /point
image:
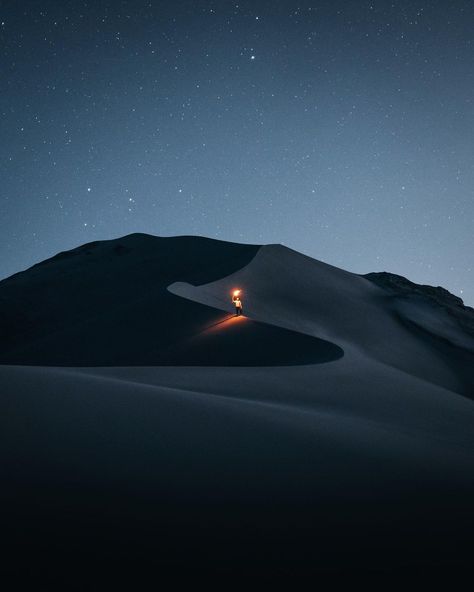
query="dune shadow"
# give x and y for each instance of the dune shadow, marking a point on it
(107, 304)
(240, 341)
(189, 334)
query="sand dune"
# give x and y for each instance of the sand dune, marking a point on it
(287, 289)
(330, 430)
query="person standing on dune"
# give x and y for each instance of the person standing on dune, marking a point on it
(237, 303)
(238, 306)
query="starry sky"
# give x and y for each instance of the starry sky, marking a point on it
(343, 130)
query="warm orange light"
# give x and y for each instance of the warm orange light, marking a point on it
(236, 292)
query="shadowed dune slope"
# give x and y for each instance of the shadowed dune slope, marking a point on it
(239, 341)
(296, 469)
(106, 304)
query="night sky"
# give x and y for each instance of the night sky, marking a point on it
(341, 129)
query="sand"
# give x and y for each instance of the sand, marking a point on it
(321, 433)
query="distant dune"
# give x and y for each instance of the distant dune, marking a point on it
(145, 428)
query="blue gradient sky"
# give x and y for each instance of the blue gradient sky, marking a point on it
(341, 129)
